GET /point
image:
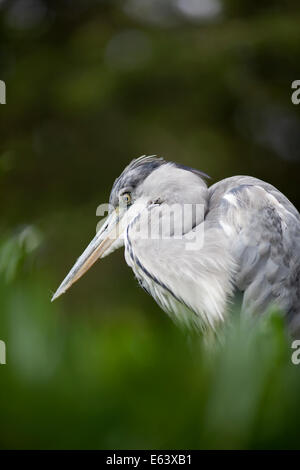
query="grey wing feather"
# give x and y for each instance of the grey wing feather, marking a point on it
(264, 228)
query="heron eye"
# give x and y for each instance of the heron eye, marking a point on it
(126, 198)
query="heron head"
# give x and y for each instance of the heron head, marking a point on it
(144, 182)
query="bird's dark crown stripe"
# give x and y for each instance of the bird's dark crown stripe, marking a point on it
(192, 170)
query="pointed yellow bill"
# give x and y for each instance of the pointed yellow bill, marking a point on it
(97, 248)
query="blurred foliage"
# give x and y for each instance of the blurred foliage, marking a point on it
(92, 84)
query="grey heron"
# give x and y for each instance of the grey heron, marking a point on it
(250, 243)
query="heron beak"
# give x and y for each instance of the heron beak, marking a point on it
(100, 244)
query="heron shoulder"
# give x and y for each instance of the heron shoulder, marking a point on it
(264, 229)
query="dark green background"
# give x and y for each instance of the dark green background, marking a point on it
(91, 85)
